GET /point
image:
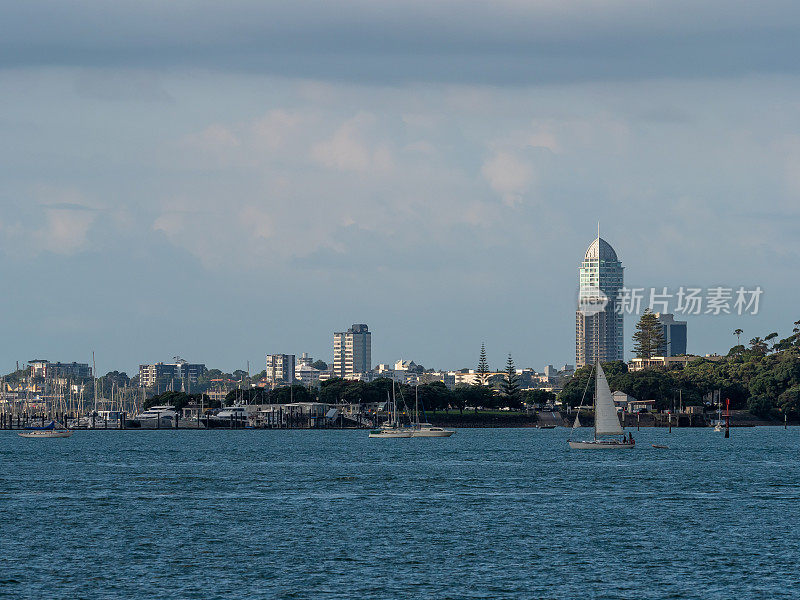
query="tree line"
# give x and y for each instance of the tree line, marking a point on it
(762, 377)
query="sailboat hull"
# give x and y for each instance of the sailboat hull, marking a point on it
(46, 433)
(599, 444)
(390, 434)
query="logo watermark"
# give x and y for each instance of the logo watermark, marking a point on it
(716, 300)
(592, 300)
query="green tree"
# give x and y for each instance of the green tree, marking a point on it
(737, 332)
(483, 367)
(771, 337)
(474, 396)
(759, 406)
(434, 396)
(758, 346)
(320, 364)
(649, 336)
(538, 397)
(510, 385)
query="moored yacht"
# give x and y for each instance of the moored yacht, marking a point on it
(233, 417)
(392, 427)
(426, 429)
(157, 417)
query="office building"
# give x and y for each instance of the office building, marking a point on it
(674, 335)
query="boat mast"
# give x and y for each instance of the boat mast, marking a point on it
(596, 387)
(394, 405)
(416, 402)
(94, 380)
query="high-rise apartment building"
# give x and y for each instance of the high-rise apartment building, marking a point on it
(352, 351)
(280, 369)
(598, 322)
(175, 376)
(674, 335)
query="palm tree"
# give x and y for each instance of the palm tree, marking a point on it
(737, 332)
(758, 345)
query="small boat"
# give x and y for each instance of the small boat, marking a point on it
(426, 429)
(606, 421)
(388, 432)
(48, 431)
(660, 446)
(392, 427)
(545, 427)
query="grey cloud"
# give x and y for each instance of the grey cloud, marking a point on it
(499, 42)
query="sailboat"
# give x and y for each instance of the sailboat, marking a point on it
(48, 431)
(719, 426)
(426, 429)
(606, 421)
(392, 427)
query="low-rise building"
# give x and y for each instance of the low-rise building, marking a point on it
(308, 375)
(667, 362)
(52, 370)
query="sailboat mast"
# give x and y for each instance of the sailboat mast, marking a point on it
(94, 374)
(416, 403)
(596, 386)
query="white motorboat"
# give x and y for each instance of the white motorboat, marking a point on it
(49, 431)
(157, 417)
(232, 417)
(428, 430)
(606, 421)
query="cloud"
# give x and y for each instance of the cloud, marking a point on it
(508, 175)
(505, 42)
(56, 220)
(348, 150)
(64, 230)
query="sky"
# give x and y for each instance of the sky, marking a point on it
(221, 181)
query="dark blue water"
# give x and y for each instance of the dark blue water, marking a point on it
(333, 514)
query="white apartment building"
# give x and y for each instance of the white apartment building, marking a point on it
(352, 351)
(280, 369)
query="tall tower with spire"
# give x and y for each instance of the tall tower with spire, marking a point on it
(598, 322)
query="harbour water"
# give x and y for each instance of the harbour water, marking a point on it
(487, 513)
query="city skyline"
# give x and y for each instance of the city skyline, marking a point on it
(599, 245)
(214, 204)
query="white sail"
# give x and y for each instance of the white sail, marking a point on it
(606, 421)
(577, 423)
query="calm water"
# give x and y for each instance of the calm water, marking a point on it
(315, 514)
